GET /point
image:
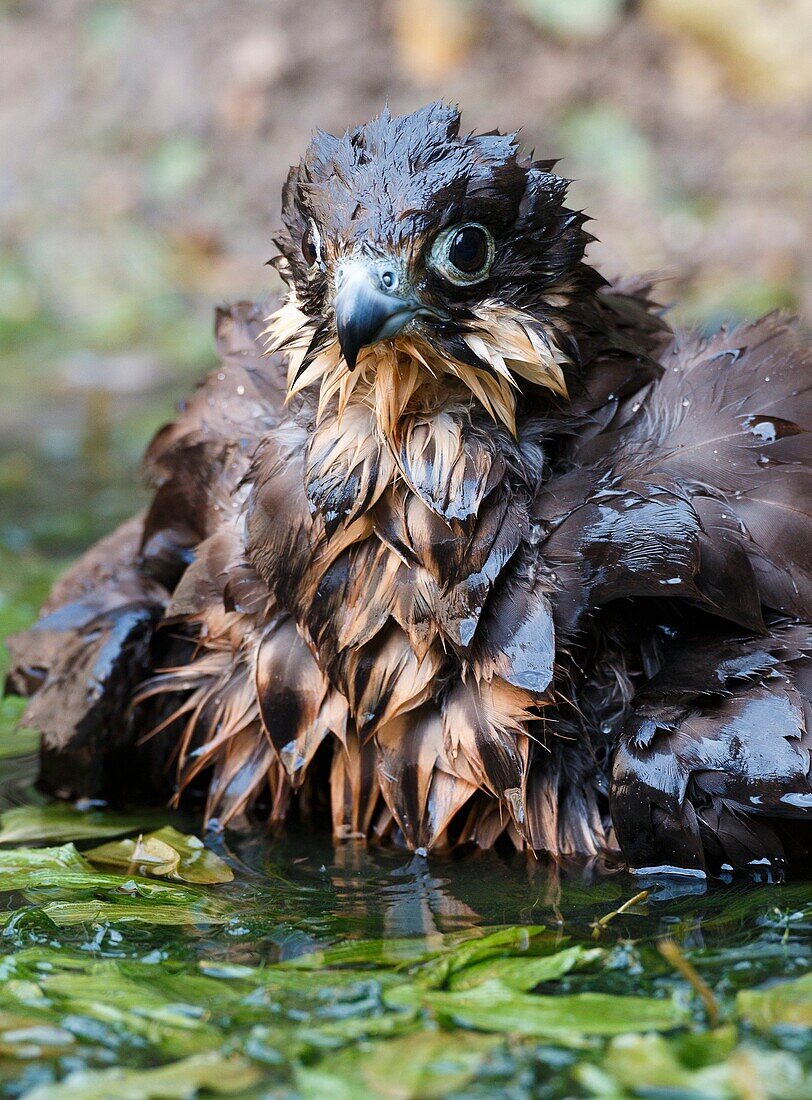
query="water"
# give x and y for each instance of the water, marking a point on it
(321, 971)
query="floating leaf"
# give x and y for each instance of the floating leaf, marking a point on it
(64, 871)
(493, 1007)
(392, 952)
(783, 1003)
(649, 1065)
(330, 1034)
(650, 1062)
(424, 1066)
(28, 1037)
(415, 1067)
(443, 954)
(474, 948)
(61, 821)
(158, 857)
(67, 913)
(523, 973)
(219, 1073)
(24, 860)
(64, 881)
(165, 853)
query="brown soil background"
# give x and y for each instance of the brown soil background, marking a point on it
(143, 146)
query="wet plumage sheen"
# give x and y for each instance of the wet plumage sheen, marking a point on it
(462, 546)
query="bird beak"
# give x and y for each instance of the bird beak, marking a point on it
(368, 307)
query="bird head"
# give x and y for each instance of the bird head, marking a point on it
(406, 242)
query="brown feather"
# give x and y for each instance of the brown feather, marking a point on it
(297, 706)
(422, 795)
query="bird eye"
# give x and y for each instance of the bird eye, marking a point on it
(463, 254)
(311, 244)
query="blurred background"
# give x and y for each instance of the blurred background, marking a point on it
(143, 144)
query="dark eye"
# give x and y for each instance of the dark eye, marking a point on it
(463, 254)
(311, 245)
(469, 249)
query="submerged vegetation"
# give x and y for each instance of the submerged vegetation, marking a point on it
(132, 968)
(136, 961)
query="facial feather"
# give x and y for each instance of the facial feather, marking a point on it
(385, 197)
(413, 372)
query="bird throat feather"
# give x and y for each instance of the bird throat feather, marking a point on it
(413, 372)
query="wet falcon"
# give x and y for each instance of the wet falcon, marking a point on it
(461, 546)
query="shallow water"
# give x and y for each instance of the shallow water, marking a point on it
(343, 972)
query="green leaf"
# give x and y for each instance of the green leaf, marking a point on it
(414, 1067)
(330, 1034)
(71, 882)
(69, 913)
(213, 1071)
(28, 1036)
(424, 1066)
(340, 1080)
(501, 942)
(392, 952)
(165, 853)
(61, 821)
(523, 973)
(493, 1007)
(787, 1003)
(651, 1065)
(649, 1062)
(437, 956)
(21, 861)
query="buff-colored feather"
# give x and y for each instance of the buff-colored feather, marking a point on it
(394, 376)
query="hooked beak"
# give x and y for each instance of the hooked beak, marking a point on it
(368, 307)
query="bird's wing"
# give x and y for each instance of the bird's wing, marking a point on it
(94, 640)
(79, 660)
(716, 758)
(699, 508)
(197, 461)
(704, 495)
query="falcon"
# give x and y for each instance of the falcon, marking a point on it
(462, 546)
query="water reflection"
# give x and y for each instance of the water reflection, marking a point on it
(296, 893)
(325, 895)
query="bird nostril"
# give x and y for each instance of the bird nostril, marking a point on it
(389, 279)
